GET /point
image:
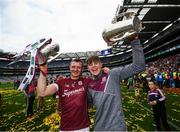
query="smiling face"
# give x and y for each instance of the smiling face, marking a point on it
(76, 69)
(151, 85)
(94, 65)
(95, 68)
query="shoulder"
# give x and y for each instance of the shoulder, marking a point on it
(63, 80)
(86, 79)
(159, 91)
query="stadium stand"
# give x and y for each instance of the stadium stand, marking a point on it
(160, 39)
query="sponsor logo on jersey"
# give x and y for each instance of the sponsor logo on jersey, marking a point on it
(73, 92)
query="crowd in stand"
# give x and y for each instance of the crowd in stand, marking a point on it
(165, 72)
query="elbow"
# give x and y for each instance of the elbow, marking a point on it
(138, 68)
(141, 67)
(40, 92)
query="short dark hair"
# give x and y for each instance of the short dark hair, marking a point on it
(93, 58)
(77, 60)
(153, 81)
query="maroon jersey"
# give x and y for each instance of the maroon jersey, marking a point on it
(74, 107)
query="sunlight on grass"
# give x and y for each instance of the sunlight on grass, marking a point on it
(137, 118)
(52, 121)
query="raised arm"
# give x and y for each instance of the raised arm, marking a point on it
(138, 64)
(42, 88)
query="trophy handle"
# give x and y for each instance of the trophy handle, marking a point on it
(116, 38)
(41, 52)
(122, 29)
(128, 15)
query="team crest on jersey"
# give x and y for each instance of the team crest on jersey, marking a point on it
(103, 80)
(80, 83)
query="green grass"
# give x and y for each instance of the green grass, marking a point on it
(138, 114)
(6, 85)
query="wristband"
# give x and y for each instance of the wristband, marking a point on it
(43, 64)
(44, 73)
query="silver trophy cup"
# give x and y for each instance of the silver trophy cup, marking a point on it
(41, 52)
(48, 53)
(122, 29)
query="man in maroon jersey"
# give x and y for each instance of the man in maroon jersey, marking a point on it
(73, 95)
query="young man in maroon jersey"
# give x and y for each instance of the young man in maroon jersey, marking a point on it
(73, 95)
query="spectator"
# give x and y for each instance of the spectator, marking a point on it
(159, 80)
(145, 84)
(167, 81)
(157, 100)
(172, 82)
(30, 97)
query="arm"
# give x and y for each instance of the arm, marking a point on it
(137, 66)
(162, 97)
(150, 102)
(42, 88)
(106, 70)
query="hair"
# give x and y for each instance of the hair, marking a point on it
(77, 60)
(93, 58)
(152, 81)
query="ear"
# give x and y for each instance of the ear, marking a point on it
(82, 68)
(88, 67)
(70, 67)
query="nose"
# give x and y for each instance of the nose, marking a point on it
(75, 69)
(94, 64)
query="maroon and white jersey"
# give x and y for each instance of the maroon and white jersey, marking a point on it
(74, 107)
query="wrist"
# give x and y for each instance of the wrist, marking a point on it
(43, 64)
(135, 42)
(44, 73)
(43, 69)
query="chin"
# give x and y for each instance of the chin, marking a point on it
(96, 73)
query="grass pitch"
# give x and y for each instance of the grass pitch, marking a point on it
(138, 113)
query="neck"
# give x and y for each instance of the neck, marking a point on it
(99, 74)
(74, 77)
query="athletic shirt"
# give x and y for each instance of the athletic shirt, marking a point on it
(156, 95)
(166, 75)
(74, 107)
(174, 75)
